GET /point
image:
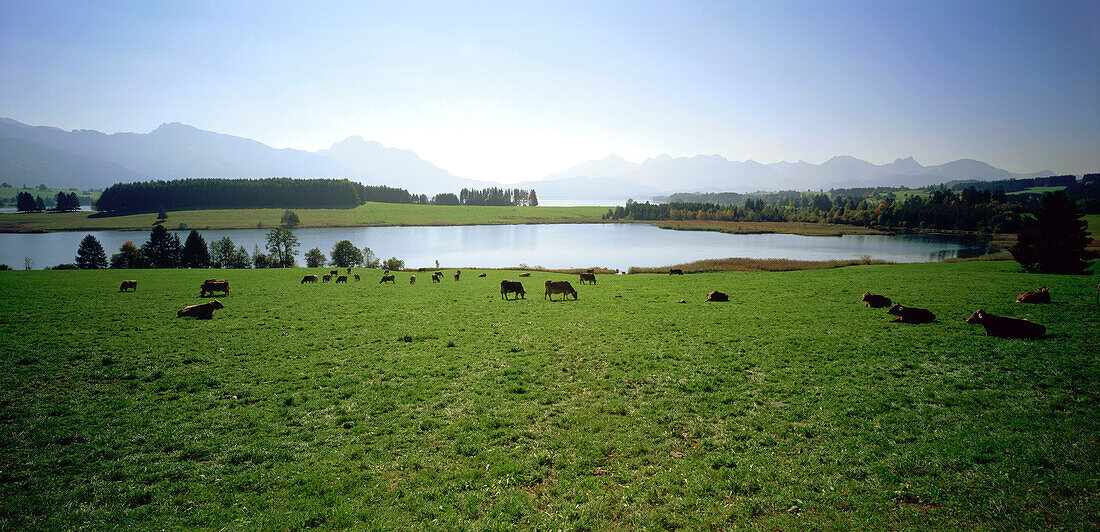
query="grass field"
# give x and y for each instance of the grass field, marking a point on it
(440, 406)
(7, 195)
(1036, 190)
(367, 214)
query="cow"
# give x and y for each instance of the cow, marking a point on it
(357, 277)
(132, 285)
(309, 279)
(481, 275)
(589, 277)
(590, 270)
(213, 285)
(420, 270)
(457, 272)
(440, 274)
(676, 271)
(436, 277)
(1003, 327)
(342, 279)
(716, 296)
(911, 314)
(204, 311)
(334, 273)
(559, 287)
(412, 279)
(349, 270)
(512, 287)
(525, 274)
(875, 300)
(1038, 296)
(326, 277)
(387, 278)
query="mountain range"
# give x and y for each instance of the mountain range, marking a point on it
(90, 159)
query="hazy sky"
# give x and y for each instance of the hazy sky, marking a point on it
(509, 91)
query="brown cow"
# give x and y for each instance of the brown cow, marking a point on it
(342, 279)
(716, 296)
(334, 273)
(1003, 327)
(590, 277)
(387, 278)
(204, 311)
(309, 279)
(1038, 296)
(676, 271)
(559, 287)
(326, 277)
(457, 272)
(412, 279)
(436, 277)
(357, 277)
(349, 270)
(481, 275)
(132, 285)
(512, 287)
(213, 285)
(590, 270)
(525, 274)
(911, 314)
(875, 300)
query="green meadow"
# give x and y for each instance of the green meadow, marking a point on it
(364, 215)
(441, 406)
(8, 194)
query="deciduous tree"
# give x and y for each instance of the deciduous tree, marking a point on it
(345, 254)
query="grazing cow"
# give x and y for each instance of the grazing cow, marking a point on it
(1003, 327)
(525, 274)
(132, 285)
(436, 277)
(589, 277)
(412, 279)
(387, 278)
(342, 279)
(716, 296)
(334, 273)
(559, 287)
(440, 274)
(590, 270)
(512, 287)
(420, 270)
(875, 300)
(1038, 296)
(457, 272)
(204, 311)
(481, 275)
(676, 271)
(349, 270)
(386, 271)
(213, 285)
(357, 277)
(309, 279)
(911, 314)
(326, 277)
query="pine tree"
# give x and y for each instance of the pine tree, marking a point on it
(534, 200)
(90, 254)
(195, 253)
(1055, 240)
(39, 205)
(161, 250)
(24, 202)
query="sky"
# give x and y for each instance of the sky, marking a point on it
(508, 91)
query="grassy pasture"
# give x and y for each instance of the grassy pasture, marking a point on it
(8, 195)
(367, 214)
(440, 406)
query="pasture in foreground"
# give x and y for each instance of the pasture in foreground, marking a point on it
(441, 406)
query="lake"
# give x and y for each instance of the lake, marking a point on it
(615, 246)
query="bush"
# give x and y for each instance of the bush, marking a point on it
(64, 266)
(394, 264)
(4, 267)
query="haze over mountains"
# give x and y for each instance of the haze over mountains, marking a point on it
(91, 159)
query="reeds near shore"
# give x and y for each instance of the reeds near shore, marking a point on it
(742, 264)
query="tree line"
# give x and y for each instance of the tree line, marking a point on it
(149, 196)
(64, 202)
(492, 196)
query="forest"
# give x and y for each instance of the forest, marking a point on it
(244, 193)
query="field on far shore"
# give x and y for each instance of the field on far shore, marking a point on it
(442, 406)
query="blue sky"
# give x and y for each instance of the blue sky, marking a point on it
(509, 91)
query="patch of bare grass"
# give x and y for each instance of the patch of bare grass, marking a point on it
(742, 264)
(1001, 255)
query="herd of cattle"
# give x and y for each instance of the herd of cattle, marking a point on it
(999, 326)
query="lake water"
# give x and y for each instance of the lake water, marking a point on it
(616, 246)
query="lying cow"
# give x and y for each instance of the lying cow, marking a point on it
(525, 274)
(1003, 327)
(716, 296)
(588, 277)
(204, 311)
(559, 287)
(512, 287)
(387, 278)
(326, 278)
(1038, 296)
(309, 279)
(875, 300)
(676, 271)
(132, 285)
(911, 314)
(481, 275)
(412, 279)
(357, 277)
(213, 285)
(342, 279)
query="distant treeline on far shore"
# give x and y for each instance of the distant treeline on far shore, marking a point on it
(183, 194)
